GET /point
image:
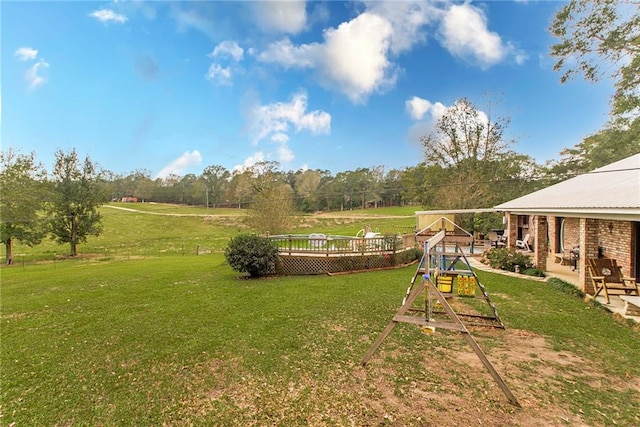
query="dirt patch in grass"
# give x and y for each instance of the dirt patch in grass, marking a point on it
(446, 386)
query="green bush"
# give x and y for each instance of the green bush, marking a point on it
(533, 272)
(407, 256)
(248, 253)
(507, 259)
(566, 287)
(391, 242)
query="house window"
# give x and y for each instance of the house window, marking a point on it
(561, 235)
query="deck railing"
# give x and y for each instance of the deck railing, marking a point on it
(319, 244)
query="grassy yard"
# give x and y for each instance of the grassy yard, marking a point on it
(155, 229)
(165, 338)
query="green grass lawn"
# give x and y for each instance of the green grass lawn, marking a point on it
(144, 332)
(155, 229)
(169, 208)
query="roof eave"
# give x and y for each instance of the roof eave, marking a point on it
(607, 214)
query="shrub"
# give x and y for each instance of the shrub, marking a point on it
(248, 253)
(566, 287)
(391, 242)
(507, 259)
(533, 272)
(408, 256)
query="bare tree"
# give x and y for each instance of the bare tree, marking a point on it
(465, 135)
(272, 210)
(468, 159)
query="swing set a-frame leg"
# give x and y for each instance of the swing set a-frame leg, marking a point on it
(456, 325)
(387, 330)
(474, 345)
(487, 364)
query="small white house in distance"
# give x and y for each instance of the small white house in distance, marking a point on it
(598, 213)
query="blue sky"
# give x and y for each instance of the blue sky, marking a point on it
(173, 87)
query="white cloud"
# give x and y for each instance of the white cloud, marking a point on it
(464, 33)
(219, 75)
(249, 162)
(281, 138)
(357, 57)
(26, 53)
(177, 166)
(353, 58)
(228, 48)
(519, 56)
(281, 17)
(276, 121)
(285, 155)
(108, 15)
(417, 107)
(34, 74)
(284, 53)
(196, 18)
(279, 118)
(409, 20)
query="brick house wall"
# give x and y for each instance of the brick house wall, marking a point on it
(571, 233)
(616, 241)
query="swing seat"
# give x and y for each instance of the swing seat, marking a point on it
(445, 283)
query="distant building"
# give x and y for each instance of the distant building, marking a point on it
(129, 199)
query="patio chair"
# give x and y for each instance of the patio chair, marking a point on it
(501, 242)
(607, 275)
(524, 243)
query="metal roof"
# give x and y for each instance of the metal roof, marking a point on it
(612, 191)
(454, 211)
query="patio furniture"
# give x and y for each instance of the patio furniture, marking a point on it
(574, 256)
(607, 275)
(524, 243)
(631, 305)
(500, 242)
(562, 259)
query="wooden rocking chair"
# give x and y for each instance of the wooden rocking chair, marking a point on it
(606, 274)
